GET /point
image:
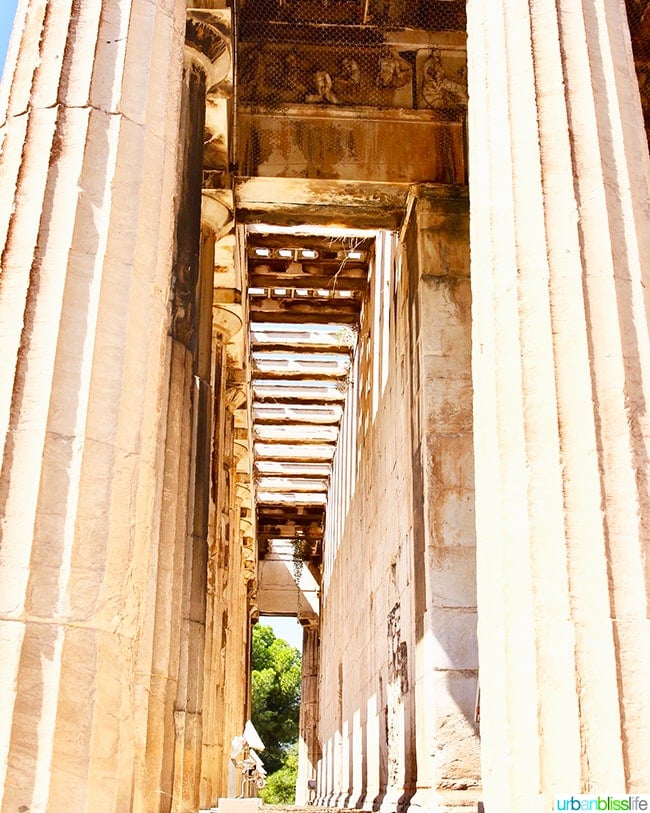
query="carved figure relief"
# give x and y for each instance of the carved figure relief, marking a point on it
(431, 78)
(347, 84)
(322, 92)
(439, 87)
(393, 72)
(290, 82)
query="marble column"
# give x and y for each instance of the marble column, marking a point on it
(88, 177)
(309, 751)
(560, 243)
(160, 654)
(192, 318)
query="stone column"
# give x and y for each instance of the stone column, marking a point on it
(159, 668)
(308, 746)
(88, 172)
(170, 773)
(560, 239)
(215, 748)
(227, 623)
(192, 307)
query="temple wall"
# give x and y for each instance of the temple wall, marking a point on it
(398, 642)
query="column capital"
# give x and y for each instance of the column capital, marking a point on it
(208, 43)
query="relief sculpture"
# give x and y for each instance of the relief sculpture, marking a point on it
(442, 85)
(347, 84)
(290, 80)
(316, 75)
(321, 91)
(393, 72)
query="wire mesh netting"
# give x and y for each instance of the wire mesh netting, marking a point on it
(425, 14)
(638, 12)
(362, 78)
(348, 53)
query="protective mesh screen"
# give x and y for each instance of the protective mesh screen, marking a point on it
(638, 12)
(352, 89)
(367, 52)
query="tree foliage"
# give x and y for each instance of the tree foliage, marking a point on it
(280, 787)
(275, 689)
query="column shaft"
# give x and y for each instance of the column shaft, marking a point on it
(309, 744)
(188, 314)
(88, 177)
(559, 236)
(159, 680)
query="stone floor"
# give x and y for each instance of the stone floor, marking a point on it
(293, 809)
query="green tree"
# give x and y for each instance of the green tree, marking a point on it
(280, 787)
(275, 690)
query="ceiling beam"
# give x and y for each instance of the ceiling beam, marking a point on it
(299, 317)
(298, 347)
(296, 375)
(300, 201)
(295, 400)
(335, 282)
(293, 469)
(289, 432)
(322, 242)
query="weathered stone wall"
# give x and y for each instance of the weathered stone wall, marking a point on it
(448, 767)
(367, 570)
(398, 680)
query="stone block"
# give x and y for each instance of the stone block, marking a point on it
(451, 518)
(455, 691)
(453, 642)
(445, 251)
(304, 145)
(447, 398)
(445, 316)
(239, 805)
(453, 576)
(450, 460)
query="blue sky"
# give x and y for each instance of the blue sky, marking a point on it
(286, 628)
(7, 11)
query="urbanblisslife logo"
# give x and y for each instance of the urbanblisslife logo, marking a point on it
(598, 802)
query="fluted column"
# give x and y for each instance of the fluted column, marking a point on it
(308, 746)
(215, 747)
(192, 319)
(88, 176)
(159, 668)
(560, 239)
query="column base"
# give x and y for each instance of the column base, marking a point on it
(428, 800)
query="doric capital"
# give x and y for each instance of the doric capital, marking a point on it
(208, 42)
